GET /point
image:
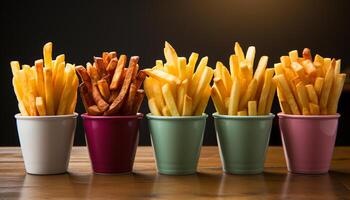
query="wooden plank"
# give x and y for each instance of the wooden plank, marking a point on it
(145, 183)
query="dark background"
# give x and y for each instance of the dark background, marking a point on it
(84, 29)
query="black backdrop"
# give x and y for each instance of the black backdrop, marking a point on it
(82, 29)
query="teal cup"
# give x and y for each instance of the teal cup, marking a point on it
(177, 142)
(243, 142)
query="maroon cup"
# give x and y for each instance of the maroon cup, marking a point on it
(112, 142)
(308, 141)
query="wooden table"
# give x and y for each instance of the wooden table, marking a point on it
(145, 183)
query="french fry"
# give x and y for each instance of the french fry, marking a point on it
(239, 52)
(93, 73)
(181, 93)
(311, 94)
(187, 108)
(140, 94)
(93, 110)
(202, 84)
(40, 106)
(328, 82)
(104, 89)
(130, 100)
(335, 93)
(47, 51)
(197, 75)
(191, 65)
(100, 66)
(49, 100)
(84, 76)
(163, 76)
(242, 113)
(199, 110)
(219, 83)
(234, 66)
(270, 97)
(166, 111)
(283, 85)
(252, 108)
(153, 107)
(170, 55)
(169, 100)
(85, 96)
(69, 77)
(118, 73)
(218, 103)
(265, 91)
(117, 103)
(234, 97)
(307, 54)
(22, 108)
(319, 85)
(40, 84)
(249, 94)
(314, 109)
(303, 96)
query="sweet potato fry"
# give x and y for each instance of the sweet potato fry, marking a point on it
(111, 66)
(140, 94)
(100, 66)
(117, 103)
(84, 76)
(100, 102)
(85, 96)
(92, 71)
(104, 89)
(116, 80)
(129, 102)
(93, 110)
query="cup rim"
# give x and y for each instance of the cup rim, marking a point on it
(151, 116)
(218, 116)
(18, 116)
(86, 116)
(283, 115)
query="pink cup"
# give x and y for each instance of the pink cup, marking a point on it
(308, 141)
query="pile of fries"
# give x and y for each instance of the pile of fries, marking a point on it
(109, 88)
(47, 88)
(175, 88)
(306, 86)
(241, 92)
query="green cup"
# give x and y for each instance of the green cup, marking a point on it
(243, 141)
(177, 142)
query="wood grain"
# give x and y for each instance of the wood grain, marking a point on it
(145, 183)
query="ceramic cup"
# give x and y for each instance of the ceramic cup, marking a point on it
(243, 142)
(112, 142)
(177, 142)
(308, 141)
(46, 142)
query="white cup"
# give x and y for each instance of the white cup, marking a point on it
(46, 142)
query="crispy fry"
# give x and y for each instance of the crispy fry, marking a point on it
(93, 73)
(191, 65)
(335, 93)
(100, 66)
(318, 85)
(84, 76)
(239, 52)
(187, 108)
(117, 103)
(153, 107)
(252, 108)
(217, 100)
(265, 91)
(283, 85)
(249, 94)
(93, 110)
(270, 97)
(199, 110)
(100, 102)
(85, 96)
(234, 97)
(328, 82)
(47, 51)
(302, 95)
(314, 109)
(166, 111)
(130, 100)
(40, 84)
(242, 113)
(169, 100)
(163, 76)
(104, 89)
(181, 93)
(40, 106)
(311, 94)
(118, 73)
(49, 93)
(140, 94)
(202, 84)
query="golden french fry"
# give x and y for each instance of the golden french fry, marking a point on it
(181, 93)
(249, 94)
(314, 109)
(63, 103)
(265, 91)
(221, 87)
(170, 54)
(283, 85)
(47, 51)
(166, 111)
(250, 55)
(279, 68)
(252, 108)
(234, 97)
(335, 93)
(49, 93)
(58, 84)
(169, 100)
(285, 61)
(163, 76)
(199, 110)
(22, 108)
(328, 82)
(40, 85)
(242, 113)
(311, 94)
(56, 63)
(153, 107)
(234, 66)
(182, 67)
(217, 100)
(259, 74)
(15, 67)
(202, 84)
(270, 97)
(40, 106)
(303, 96)
(187, 108)
(293, 55)
(191, 65)
(226, 78)
(239, 52)
(318, 85)
(193, 85)
(337, 67)
(93, 110)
